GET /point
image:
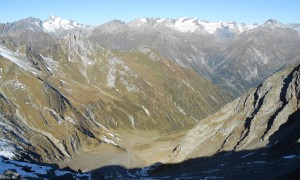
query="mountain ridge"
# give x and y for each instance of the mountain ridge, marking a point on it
(251, 123)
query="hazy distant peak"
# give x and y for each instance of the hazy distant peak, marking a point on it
(112, 26)
(272, 23)
(29, 23)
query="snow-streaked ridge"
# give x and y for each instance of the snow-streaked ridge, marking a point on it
(18, 59)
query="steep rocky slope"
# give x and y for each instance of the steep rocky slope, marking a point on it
(267, 115)
(257, 136)
(74, 96)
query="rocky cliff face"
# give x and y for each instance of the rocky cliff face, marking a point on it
(267, 115)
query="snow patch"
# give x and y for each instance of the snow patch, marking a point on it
(257, 162)
(144, 20)
(109, 141)
(7, 154)
(161, 20)
(227, 154)
(131, 119)
(223, 164)
(146, 111)
(70, 119)
(289, 157)
(181, 110)
(249, 154)
(144, 172)
(101, 126)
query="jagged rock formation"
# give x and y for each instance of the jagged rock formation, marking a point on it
(267, 115)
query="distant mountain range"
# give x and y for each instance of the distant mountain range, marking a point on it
(233, 56)
(113, 94)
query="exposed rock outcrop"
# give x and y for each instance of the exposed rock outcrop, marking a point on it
(267, 115)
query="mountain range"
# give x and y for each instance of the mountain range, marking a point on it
(88, 97)
(212, 49)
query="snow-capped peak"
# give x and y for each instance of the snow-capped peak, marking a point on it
(186, 24)
(193, 24)
(54, 23)
(144, 20)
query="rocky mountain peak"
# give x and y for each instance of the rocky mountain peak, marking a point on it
(113, 26)
(271, 21)
(30, 23)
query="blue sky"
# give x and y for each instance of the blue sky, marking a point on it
(95, 12)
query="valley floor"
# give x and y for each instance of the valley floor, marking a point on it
(140, 149)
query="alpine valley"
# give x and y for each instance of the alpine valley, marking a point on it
(149, 98)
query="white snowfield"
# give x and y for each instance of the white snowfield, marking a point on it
(193, 24)
(56, 23)
(36, 170)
